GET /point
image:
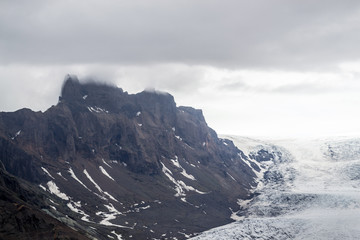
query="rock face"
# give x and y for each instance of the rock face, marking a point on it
(117, 163)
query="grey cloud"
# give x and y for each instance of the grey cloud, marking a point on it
(292, 88)
(303, 88)
(234, 86)
(168, 77)
(234, 33)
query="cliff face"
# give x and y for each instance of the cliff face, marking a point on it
(134, 164)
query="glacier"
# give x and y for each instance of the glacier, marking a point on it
(311, 190)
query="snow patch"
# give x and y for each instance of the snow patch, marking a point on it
(92, 180)
(110, 196)
(16, 134)
(42, 187)
(47, 172)
(189, 176)
(105, 172)
(178, 137)
(74, 206)
(234, 215)
(106, 163)
(98, 187)
(55, 190)
(180, 186)
(183, 172)
(111, 215)
(97, 109)
(137, 209)
(168, 173)
(59, 173)
(52, 201)
(231, 176)
(100, 196)
(78, 180)
(176, 162)
(119, 237)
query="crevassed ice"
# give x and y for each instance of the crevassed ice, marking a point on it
(311, 192)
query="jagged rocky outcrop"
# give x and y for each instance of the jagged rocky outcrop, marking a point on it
(129, 164)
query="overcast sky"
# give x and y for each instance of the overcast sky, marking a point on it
(256, 68)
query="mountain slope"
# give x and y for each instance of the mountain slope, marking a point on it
(21, 215)
(135, 165)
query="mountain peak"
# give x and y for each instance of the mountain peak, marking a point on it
(80, 96)
(75, 92)
(101, 150)
(70, 87)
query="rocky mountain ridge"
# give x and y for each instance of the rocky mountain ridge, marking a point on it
(129, 164)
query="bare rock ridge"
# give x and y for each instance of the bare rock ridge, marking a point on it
(129, 164)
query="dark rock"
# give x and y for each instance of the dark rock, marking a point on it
(21, 216)
(262, 156)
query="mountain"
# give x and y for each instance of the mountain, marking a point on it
(119, 165)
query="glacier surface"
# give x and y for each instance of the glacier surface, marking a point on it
(310, 191)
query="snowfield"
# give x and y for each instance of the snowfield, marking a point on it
(311, 191)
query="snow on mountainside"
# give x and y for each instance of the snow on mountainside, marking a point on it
(312, 193)
(130, 164)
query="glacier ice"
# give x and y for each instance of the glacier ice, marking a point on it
(311, 192)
